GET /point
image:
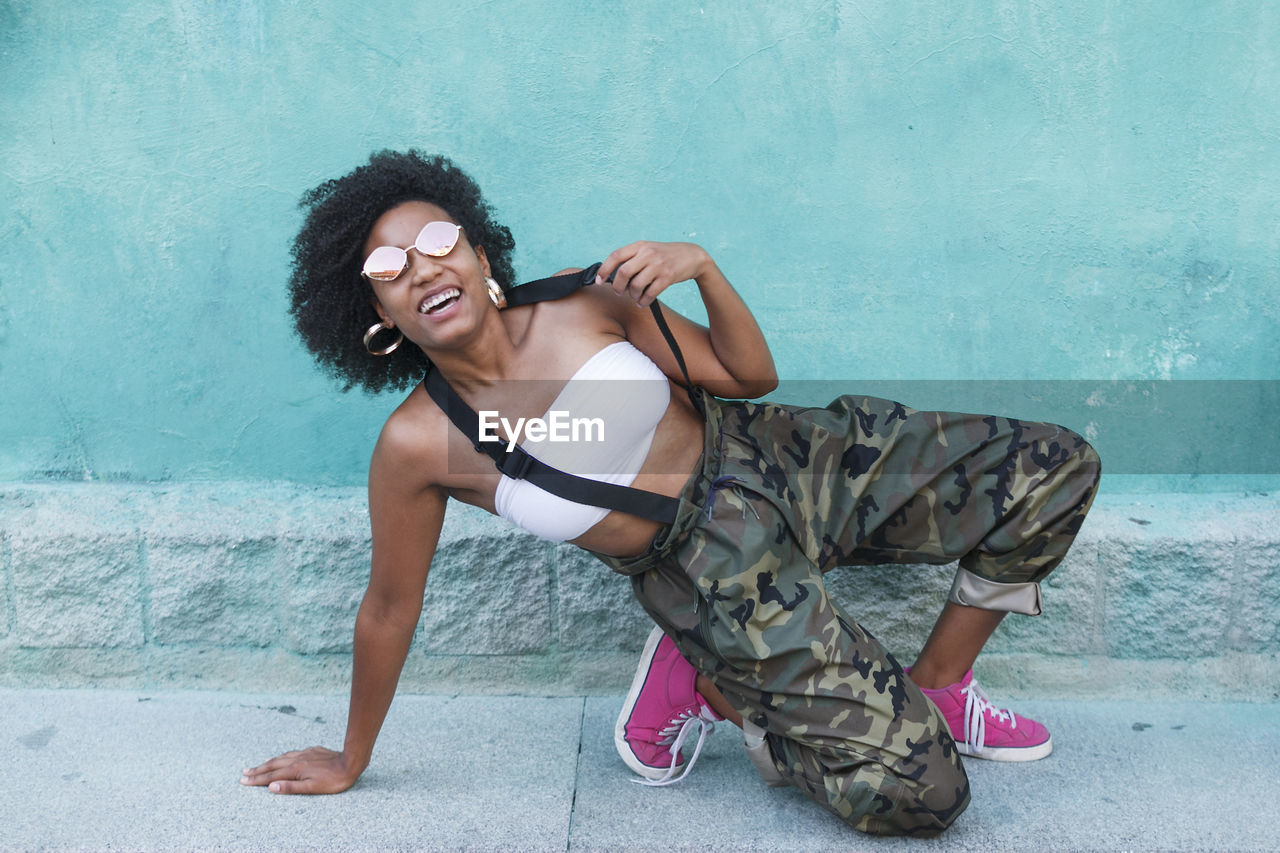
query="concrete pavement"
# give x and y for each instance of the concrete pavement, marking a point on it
(152, 770)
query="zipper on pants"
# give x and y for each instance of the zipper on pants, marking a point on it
(704, 621)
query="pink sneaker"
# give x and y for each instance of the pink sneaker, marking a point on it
(661, 710)
(982, 730)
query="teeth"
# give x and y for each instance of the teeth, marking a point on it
(439, 299)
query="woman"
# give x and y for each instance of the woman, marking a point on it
(767, 498)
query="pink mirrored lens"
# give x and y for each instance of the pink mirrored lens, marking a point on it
(437, 239)
(385, 263)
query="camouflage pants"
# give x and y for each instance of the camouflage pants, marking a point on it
(785, 494)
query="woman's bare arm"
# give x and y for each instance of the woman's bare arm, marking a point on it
(729, 357)
(406, 519)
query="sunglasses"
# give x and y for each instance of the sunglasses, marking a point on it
(436, 239)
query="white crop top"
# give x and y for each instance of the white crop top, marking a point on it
(614, 403)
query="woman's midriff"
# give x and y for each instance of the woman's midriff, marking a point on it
(672, 459)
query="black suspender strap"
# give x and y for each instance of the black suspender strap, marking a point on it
(518, 464)
(694, 397)
(555, 287)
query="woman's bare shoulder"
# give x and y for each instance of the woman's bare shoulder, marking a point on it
(597, 298)
(414, 442)
(586, 312)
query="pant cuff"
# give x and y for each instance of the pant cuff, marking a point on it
(761, 757)
(975, 591)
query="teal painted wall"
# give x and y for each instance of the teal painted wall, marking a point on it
(902, 191)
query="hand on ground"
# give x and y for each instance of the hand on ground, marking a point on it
(308, 771)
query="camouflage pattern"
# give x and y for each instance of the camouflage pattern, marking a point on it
(785, 494)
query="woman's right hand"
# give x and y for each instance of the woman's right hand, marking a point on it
(308, 771)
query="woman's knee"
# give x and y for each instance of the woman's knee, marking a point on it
(918, 789)
(1073, 480)
(1042, 507)
(922, 805)
(932, 802)
(1055, 449)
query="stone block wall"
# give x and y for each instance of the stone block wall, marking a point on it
(255, 587)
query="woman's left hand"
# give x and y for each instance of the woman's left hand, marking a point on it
(642, 270)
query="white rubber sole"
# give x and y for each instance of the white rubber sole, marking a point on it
(1008, 753)
(633, 695)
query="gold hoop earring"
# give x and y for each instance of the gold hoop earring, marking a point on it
(496, 296)
(379, 327)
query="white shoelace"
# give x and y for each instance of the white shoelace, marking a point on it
(675, 734)
(976, 708)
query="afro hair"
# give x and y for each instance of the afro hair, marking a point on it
(331, 303)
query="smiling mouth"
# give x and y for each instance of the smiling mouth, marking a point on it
(440, 301)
